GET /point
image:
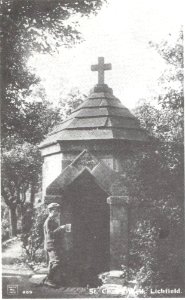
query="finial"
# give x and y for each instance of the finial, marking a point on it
(101, 67)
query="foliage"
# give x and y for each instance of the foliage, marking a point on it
(172, 78)
(33, 236)
(166, 122)
(153, 180)
(71, 102)
(21, 164)
(38, 120)
(29, 26)
(171, 98)
(21, 159)
(5, 223)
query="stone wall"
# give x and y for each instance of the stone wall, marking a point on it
(118, 232)
(56, 162)
(106, 158)
(51, 168)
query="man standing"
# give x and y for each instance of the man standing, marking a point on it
(52, 234)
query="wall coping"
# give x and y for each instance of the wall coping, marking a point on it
(118, 200)
(53, 198)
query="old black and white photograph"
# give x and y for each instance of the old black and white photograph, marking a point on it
(92, 149)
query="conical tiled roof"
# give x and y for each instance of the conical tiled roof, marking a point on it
(101, 117)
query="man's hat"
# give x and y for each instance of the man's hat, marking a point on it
(52, 206)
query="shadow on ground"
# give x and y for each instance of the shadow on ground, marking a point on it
(25, 289)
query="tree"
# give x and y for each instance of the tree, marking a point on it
(166, 123)
(171, 98)
(70, 102)
(155, 176)
(20, 168)
(21, 159)
(30, 26)
(27, 26)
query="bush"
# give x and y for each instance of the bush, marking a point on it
(33, 239)
(5, 224)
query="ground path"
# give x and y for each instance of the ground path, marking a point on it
(17, 279)
(12, 252)
(12, 262)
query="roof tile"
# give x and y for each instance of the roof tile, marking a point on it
(101, 117)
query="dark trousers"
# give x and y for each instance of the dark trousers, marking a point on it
(54, 274)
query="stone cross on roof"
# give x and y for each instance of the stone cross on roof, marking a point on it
(101, 67)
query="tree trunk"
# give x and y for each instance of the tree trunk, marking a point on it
(32, 194)
(13, 221)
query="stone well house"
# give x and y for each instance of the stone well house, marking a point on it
(83, 158)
